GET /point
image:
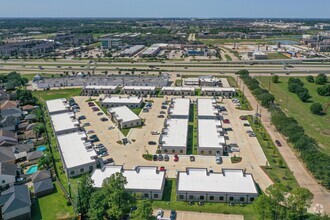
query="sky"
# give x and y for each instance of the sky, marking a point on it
(167, 8)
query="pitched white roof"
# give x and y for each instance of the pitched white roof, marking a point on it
(229, 181)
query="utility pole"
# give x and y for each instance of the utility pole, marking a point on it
(269, 85)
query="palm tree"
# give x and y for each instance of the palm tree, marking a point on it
(38, 130)
(46, 160)
(38, 113)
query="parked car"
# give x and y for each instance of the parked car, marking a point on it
(155, 132)
(176, 158)
(164, 107)
(152, 142)
(99, 146)
(104, 119)
(226, 121)
(278, 143)
(192, 158)
(96, 109)
(228, 129)
(166, 157)
(154, 157)
(243, 117)
(246, 125)
(104, 154)
(160, 213)
(111, 127)
(93, 136)
(252, 134)
(82, 117)
(90, 132)
(162, 112)
(86, 124)
(145, 110)
(161, 116)
(100, 113)
(162, 168)
(173, 215)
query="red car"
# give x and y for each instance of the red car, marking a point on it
(226, 121)
(95, 109)
(278, 143)
(162, 168)
(176, 158)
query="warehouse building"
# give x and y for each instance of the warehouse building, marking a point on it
(96, 90)
(179, 108)
(57, 106)
(129, 52)
(77, 153)
(218, 91)
(168, 90)
(206, 109)
(116, 101)
(147, 181)
(232, 185)
(139, 90)
(64, 123)
(173, 139)
(124, 117)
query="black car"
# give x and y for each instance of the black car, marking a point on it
(109, 160)
(155, 157)
(173, 215)
(152, 143)
(278, 143)
(82, 117)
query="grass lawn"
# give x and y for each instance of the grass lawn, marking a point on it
(315, 126)
(31, 76)
(178, 82)
(56, 94)
(228, 57)
(192, 130)
(277, 169)
(125, 131)
(169, 202)
(104, 109)
(245, 104)
(274, 56)
(53, 206)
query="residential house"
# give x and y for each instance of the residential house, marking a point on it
(42, 183)
(8, 173)
(7, 155)
(8, 123)
(7, 138)
(8, 104)
(15, 112)
(34, 156)
(15, 203)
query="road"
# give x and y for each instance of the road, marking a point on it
(321, 201)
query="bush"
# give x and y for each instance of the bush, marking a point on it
(316, 108)
(275, 79)
(296, 85)
(321, 79)
(324, 90)
(309, 78)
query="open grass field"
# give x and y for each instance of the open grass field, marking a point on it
(52, 206)
(56, 94)
(314, 125)
(274, 56)
(169, 202)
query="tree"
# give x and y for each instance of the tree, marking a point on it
(38, 130)
(119, 200)
(303, 94)
(144, 210)
(275, 79)
(277, 198)
(263, 207)
(85, 190)
(25, 97)
(38, 113)
(243, 72)
(309, 78)
(46, 160)
(299, 201)
(316, 108)
(321, 79)
(98, 204)
(324, 90)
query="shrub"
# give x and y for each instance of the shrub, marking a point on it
(316, 108)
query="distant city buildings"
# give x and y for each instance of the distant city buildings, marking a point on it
(110, 43)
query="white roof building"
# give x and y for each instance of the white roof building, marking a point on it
(64, 122)
(206, 108)
(76, 153)
(57, 106)
(174, 136)
(218, 89)
(123, 114)
(179, 108)
(230, 181)
(210, 138)
(100, 87)
(130, 101)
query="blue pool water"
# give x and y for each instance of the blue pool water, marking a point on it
(32, 169)
(41, 148)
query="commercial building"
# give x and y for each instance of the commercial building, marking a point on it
(144, 180)
(96, 90)
(77, 153)
(259, 55)
(124, 117)
(139, 90)
(129, 52)
(218, 91)
(64, 123)
(173, 139)
(168, 90)
(232, 185)
(211, 140)
(116, 101)
(179, 108)
(57, 106)
(109, 43)
(203, 81)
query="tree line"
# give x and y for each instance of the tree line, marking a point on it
(295, 85)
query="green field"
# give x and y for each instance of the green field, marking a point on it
(274, 56)
(228, 57)
(52, 206)
(169, 202)
(57, 94)
(315, 126)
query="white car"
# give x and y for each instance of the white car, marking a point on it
(160, 213)
(155, 132)
(111, 127)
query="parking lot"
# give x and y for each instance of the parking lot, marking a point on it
(130, 155)
(183, 215)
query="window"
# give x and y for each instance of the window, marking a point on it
(202, 152)
(181, 197)
(191, 197)
(165, 150)
(181, 151)
(3, 181)
(221, 198)
(146, 195)
(211, 197)
(241, 199)
(72, 173)
(91, 168)
(231, 198)
(173, 151)
(210, 152)
(201, 197)
(82, 170)
(251, 199)
(156, 196)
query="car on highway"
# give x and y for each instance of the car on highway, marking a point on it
(166, 157)
(176, 158)
(278, 143)
(152, 142)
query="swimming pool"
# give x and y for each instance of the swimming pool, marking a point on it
(41, 148)
(32, 169)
